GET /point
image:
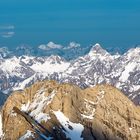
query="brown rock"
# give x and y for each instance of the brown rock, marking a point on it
(103, 110)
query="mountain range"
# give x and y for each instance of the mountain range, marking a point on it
(96, 67)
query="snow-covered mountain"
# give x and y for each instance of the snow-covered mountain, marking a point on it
(96, 67)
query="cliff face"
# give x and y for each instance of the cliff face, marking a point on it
(66, 111)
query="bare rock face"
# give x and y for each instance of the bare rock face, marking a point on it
(67, 112)
(115, 116)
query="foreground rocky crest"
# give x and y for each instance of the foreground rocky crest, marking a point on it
(98, 113)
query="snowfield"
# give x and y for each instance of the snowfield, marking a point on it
(77, 129)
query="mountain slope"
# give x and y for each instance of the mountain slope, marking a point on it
(97, 113)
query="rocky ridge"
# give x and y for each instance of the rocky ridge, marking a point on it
(97, 113)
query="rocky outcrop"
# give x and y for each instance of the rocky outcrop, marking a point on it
(115, 116)
(98, 113)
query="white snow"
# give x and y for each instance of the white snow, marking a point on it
(37, 106)
(47, 67)
(90, 110)
(23, 84)
(90, 102)
(42, 117)
(94, 54)
(134, 96)
(13, 113)
(40, 101)
(26, 59)
(134, 52)
(90, 117)
(1, 131)
(77, 128)
(10, 65)
(90, 106)
(25, 107)
(27, 135)
(128, 68)
(100, 95)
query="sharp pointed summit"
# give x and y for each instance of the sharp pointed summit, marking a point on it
(97, 49)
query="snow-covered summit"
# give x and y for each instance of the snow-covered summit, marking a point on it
(97, 50)
(133, 53)
(54, 59)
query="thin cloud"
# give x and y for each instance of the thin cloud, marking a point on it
(7, 27)
(7, 34)
(49, 46)
(72, 45)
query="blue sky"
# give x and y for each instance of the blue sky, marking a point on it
(112, 23)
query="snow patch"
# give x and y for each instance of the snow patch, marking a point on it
(90, 117)
(42, 117)
(126, 73)
(27, 135)
(77, 128)
(25, 107)
(23, 84)
(37, 106)
(1, 131)
(90, 106)
(50, 68)
(10, 65)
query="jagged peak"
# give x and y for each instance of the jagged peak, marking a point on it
(97, 49)
(55, 59)
(133, 53)
(97, 45)
(132, 50)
